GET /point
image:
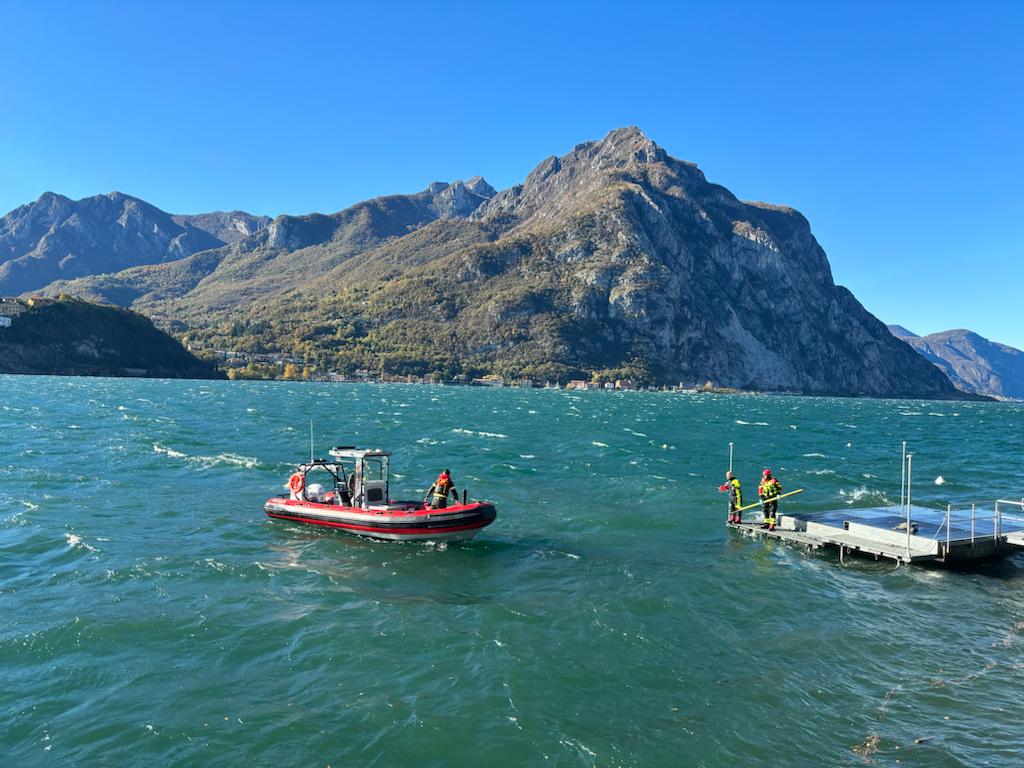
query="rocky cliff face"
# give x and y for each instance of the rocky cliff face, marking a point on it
(657, 264)
(972, 362)
(620, 258)
(56, 238)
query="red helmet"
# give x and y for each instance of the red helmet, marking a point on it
(767, 473)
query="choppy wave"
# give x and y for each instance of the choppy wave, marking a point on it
(498, 435)
(863, 493)
(600, 556)
(232, 459)
(77, 542)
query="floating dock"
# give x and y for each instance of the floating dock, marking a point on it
(945, 537)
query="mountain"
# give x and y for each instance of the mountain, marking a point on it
(614, 260)
(288, 254)
(58, 238)
(972, 362)
(72, 337)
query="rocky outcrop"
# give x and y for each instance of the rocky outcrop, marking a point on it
(226, 226)
(972, 362)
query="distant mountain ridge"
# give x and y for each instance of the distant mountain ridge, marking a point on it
(972, 362)
(58, 238)
(613, 260)
(287, 254)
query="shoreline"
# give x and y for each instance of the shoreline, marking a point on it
(664, 389)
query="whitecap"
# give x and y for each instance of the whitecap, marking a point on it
(157, 448)
(814, 455)
(598, 444)
(940, 480)
(230, 458)
(527, 456)
(752, 423)
(426, 441)
(479, 434)
(74, 541)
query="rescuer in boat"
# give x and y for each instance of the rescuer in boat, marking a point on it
(732, 485)
(770, 488)
(438, 493)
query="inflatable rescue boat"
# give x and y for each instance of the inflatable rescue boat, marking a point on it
(354, 497)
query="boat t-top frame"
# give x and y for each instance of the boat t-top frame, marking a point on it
(362, 475)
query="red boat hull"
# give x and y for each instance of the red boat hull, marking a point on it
(401, 521)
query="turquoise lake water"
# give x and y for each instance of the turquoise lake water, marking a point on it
(152, 614)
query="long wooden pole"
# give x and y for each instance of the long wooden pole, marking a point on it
(773, 498)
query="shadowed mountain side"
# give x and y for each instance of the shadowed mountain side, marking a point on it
(73, 337)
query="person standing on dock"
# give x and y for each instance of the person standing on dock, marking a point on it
(438, 493)
(770, 489)
(732, 485)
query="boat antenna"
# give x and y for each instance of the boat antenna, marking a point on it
(310, 441)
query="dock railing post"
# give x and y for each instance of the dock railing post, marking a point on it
(972, 523)
(949, 515)
(903, 476)
(910, 462)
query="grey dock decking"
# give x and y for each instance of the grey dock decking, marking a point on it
(938, 536)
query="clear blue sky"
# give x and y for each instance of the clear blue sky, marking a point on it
(896, 128)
